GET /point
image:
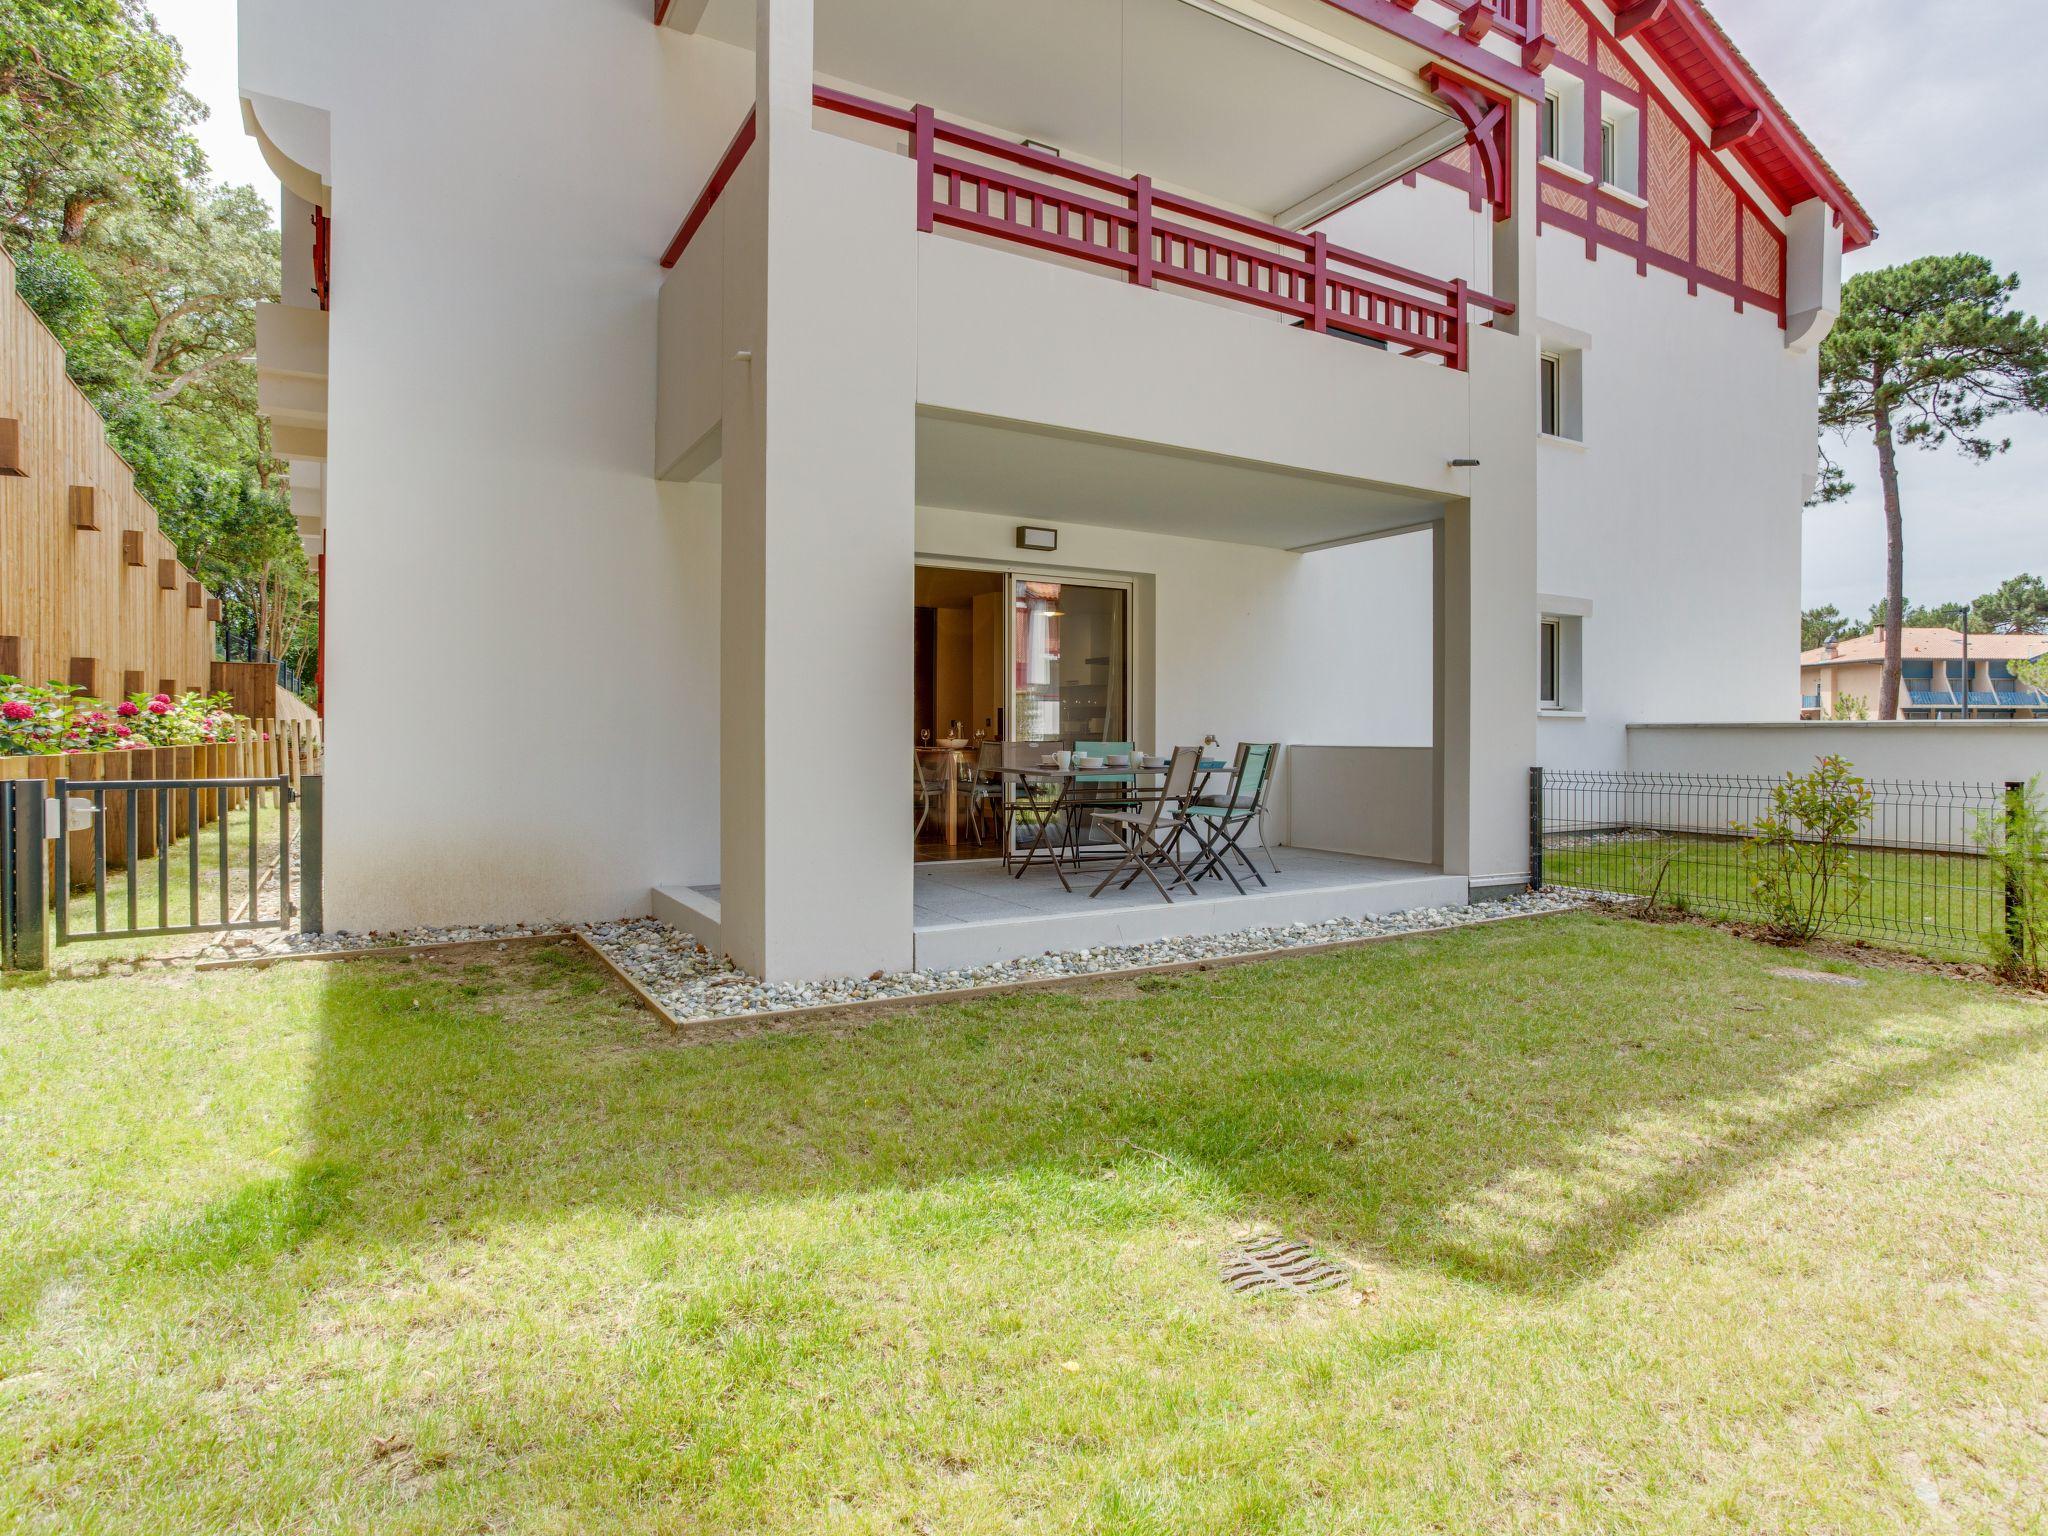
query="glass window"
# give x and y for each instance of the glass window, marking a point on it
(1553, 111)
(1553, 395)
(1610, 168)
(1551, 638)
(1069, 643)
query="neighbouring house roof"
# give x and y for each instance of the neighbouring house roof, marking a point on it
(1706, 64)
(1931, 645)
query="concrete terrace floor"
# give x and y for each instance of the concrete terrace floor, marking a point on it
(983, 891)
(970, 914)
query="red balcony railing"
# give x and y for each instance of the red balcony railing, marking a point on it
(1013, 192)
(1519, 18)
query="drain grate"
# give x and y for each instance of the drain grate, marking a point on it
(1279, 1264)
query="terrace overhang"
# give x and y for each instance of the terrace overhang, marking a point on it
(1250, 107)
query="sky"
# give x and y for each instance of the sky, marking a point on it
(1934, 126)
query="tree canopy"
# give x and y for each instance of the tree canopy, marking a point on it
(1926, 354)
(2017, 606)
(149, 273)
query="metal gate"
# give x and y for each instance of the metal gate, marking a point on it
(146, 858)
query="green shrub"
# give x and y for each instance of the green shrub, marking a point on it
(2015, 839)
(1800, 859)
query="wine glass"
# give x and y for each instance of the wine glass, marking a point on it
(924, 736)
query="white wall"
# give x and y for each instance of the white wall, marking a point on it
(1677, 523)
(518, 616)
(1919, 751)
(1429, 227)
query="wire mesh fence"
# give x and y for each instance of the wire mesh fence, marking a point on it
(1680, 840)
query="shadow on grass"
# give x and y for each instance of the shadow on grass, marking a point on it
(1515, 1106)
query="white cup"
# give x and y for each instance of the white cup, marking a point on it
(1063, 760)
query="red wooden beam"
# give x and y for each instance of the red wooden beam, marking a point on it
(1736, 127)
(660, 11)
(1476, 22)
(1633, 18)
(1399, 18)
(1721, 56)
(1488, 129)
(728, 165)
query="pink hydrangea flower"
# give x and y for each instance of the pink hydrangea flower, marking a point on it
(14, 709)
(124, 731)
(159, 705)
(129, 708)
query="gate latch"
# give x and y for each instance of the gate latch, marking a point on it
(72, 814)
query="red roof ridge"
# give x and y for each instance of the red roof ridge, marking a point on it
(1770, 96)
(1787, 138)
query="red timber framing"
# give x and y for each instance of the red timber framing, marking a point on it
(1005, 190)
(323, 257)
(1489, 135)
(1693, 218)
(1462, 43)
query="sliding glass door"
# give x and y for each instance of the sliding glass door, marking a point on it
(1070, 660)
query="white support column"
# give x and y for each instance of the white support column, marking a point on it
(1514, 238)
(819, 489)
(1486, 601)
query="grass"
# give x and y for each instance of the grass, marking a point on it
(1929, 903)
(1649, 1239)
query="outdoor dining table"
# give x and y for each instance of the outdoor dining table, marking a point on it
(1065, 802)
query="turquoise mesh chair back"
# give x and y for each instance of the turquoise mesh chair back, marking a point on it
(1250, 773)
(1255, 771)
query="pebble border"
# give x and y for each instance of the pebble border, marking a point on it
(688, 985)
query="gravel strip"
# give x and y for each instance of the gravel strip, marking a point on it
(693, 985)
(238, 946)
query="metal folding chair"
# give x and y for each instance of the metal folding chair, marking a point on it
(925, 788)
(1148, 834)
(1219, 822)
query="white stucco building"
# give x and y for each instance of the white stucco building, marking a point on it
(1428, 388)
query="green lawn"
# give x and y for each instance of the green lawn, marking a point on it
(1931, 903)
(1650, 1240)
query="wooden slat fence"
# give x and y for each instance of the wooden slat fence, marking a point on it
(82, 596)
